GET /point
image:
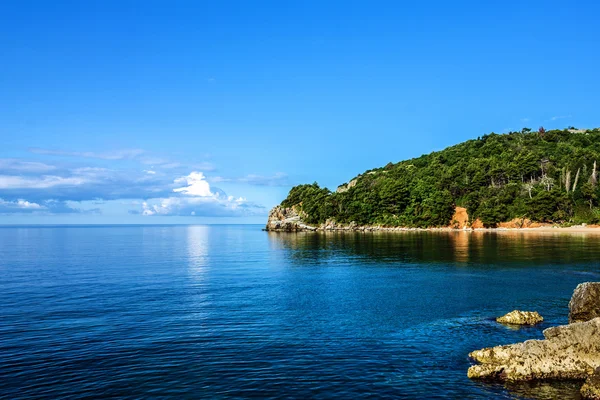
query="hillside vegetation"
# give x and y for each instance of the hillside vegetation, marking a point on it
(545, 176)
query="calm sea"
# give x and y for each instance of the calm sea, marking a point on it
(235, 312)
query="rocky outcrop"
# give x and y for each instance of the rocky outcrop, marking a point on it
(517, 317)
(585, 303)
(283, 219)
(290, 219)
(344, 188)
(567, 352)
(460, 219)
(591, 388)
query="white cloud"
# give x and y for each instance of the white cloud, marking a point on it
(86, 183)
(42, 182)
(94, 173)
(170, 165)
(148, 210)
(199, 199)
(25, 204)
(197, 185)
(110, 155)
(204, 166)
(559, 117)
(163, 163)
(46, 207)
(138, 155)
(20, 204)
(152, 160)
(278, 179)
(216, 206)
(9, 164)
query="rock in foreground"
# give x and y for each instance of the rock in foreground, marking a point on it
(517, 317)
(585, 303)
(568, 352)
(591, 388)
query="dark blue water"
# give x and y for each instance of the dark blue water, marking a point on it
(234, 312)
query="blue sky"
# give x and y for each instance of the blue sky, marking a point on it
(208, 112)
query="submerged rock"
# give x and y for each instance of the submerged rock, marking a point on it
(585, 302)
(567, 352)
(591, 388)
(517, 317)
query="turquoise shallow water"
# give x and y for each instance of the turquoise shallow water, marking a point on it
(234, 312)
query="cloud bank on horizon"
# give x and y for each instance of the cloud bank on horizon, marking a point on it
(149, 186)
(197, 198)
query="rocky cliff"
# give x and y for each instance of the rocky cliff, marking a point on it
(283, 219)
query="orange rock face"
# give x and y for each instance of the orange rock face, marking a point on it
(521, 223)
(477, 224)
(460, 219)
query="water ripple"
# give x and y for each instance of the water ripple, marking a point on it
(233, 312)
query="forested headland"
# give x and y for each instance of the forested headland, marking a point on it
(544, 175)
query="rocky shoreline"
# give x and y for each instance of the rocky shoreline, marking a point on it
(567, 352)
(291, 220)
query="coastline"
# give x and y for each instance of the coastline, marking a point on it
(542, 229)
(291, 220)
